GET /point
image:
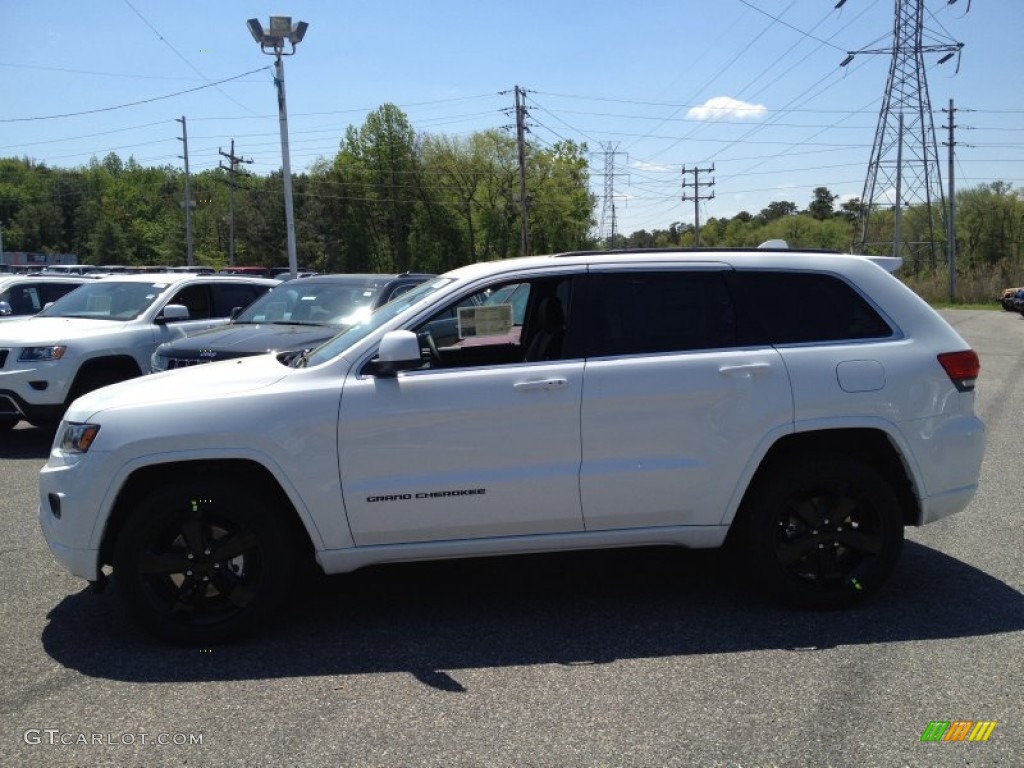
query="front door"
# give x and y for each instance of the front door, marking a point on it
(483, 443)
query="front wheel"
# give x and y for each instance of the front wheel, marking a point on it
(824, 532)
(203, 562)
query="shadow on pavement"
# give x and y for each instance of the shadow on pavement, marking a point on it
(25, 442)
(433, 619)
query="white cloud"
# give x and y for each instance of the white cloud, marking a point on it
(723, 106)
(642, 165)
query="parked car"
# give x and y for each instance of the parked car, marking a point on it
(292, 317)
(25, 295)
(248, 271)
(1007, 296)
(804, 407)
(105, 332)
(1016, 301)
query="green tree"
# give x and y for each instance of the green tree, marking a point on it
(822, 205)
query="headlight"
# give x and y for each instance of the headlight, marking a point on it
(77, 438)
(41, 354)
(157, 363)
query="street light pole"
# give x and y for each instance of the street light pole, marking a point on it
(272, 43)
(286, 169)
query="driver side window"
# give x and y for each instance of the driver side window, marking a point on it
(505, 323)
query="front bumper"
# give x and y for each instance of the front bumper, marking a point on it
(70, 504)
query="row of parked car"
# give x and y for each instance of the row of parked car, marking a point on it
(63, 336)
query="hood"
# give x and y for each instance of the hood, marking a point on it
(242, 339)
(206, 382)
(26, 331)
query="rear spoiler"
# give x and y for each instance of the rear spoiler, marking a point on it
(888, 263)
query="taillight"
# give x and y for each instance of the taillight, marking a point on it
(961, 367)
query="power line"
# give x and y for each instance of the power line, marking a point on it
(177, 53)
(132, 103)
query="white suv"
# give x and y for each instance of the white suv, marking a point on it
(104, 332)
(803, 405)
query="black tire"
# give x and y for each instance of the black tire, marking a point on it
(203, 562)
(823, 531)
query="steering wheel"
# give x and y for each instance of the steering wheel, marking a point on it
(426, 338)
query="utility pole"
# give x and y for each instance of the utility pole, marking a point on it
(188, 194)
(232, 170)
(608, 229)
(697, 196)
(951, 223)
(524, 226)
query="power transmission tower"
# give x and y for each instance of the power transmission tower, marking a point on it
(188, 202)
(608, 228)
(697, 196)
(904, 168)
(233, 171)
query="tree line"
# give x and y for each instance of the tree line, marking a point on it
(394, 199)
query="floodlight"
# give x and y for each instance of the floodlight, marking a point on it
(280, 26)
(256, 30)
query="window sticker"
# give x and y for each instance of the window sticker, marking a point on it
(98, 304)
(488, 320)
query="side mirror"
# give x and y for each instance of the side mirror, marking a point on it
(173, 313)
(399, 351)
(5, 309)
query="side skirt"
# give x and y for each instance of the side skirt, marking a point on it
(689, 536)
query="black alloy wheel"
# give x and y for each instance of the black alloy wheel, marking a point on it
(203, 562)
(825, 532)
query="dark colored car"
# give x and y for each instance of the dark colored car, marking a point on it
(296, 315)
(1007, 296)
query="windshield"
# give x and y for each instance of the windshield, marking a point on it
(106, 300)
(360, 331)
(334, 303)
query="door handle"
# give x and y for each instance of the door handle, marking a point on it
(745, 370)
(525, 386)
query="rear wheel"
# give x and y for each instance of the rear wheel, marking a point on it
(203, 562)
(824, 532)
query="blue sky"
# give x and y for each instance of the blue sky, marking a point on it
(638, 77)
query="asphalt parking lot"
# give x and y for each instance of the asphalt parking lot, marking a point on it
(645, 657)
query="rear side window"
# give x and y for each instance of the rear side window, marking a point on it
(636, 313)
(802, 307)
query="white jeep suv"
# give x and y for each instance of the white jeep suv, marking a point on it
(105, 332)
(803, 405)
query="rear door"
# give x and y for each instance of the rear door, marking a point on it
(673, 408)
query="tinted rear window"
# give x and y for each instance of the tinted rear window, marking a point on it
(801, 307)
(635, 313)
